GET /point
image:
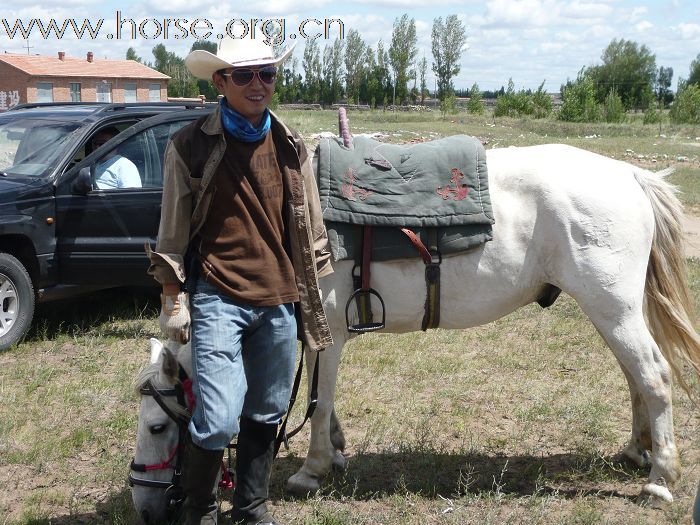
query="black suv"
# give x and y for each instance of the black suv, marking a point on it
(60, 233)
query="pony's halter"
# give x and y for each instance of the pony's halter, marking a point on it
(172, 487)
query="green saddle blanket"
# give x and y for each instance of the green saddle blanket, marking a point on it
(440, 184)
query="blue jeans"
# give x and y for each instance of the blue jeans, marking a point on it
(242, 364)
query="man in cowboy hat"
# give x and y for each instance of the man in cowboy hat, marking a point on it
(241, 222)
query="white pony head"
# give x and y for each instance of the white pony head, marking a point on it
(158, 444)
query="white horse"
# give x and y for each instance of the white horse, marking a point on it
(605, 232)
(158, 435)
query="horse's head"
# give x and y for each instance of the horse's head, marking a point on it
(162, 422)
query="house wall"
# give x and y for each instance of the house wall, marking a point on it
(13, 86)
(20, 87)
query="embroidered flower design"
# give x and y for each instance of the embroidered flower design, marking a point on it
(349, 190)
(456, 190)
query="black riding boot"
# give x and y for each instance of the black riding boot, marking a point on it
(254, 454)
(200, 479)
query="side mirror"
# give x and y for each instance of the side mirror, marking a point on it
(83, 183)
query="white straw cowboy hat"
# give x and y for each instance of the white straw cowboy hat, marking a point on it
(238, 52)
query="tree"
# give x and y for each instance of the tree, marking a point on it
(516, 104)
(630, 69)
(289, 82)
(182, 83)
(355, 55)
(206, 87)
(694, 77)
(332, 68)
(448, 40)
(664, 95)
(402, 53)
(578, 100)
(311, 64)
(377, 75)
(422, 70)
(475, 104)
(541, 102)
(686, 107)
(131, 55)
(613, 110)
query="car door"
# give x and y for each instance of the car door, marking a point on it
(101, 229)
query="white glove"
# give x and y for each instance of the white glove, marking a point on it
(175, 317)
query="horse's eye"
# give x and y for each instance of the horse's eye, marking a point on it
(157, 429)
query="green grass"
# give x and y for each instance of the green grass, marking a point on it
(517, 421)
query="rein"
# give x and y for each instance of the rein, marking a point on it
(183, 393)
(158, 395)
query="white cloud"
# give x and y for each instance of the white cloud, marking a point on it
(589, 10)
(643, 26)
(406, 4)
(639, 12)
(523, 13)
(689, 31)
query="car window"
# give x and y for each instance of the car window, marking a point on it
(88, 147)
(140, 154)
(32, 147)
(124, 166)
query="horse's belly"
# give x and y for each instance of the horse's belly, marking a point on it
(471, 293)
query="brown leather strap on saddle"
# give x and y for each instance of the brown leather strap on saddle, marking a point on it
(431, 318)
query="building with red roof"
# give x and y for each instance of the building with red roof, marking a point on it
(36, 78)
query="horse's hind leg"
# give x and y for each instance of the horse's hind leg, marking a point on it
(622, 325)
(639, 447)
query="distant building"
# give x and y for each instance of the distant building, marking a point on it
(35, 78)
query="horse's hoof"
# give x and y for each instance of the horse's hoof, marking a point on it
(656, 495)
(340, 462)
(302, 485)
(635, 457)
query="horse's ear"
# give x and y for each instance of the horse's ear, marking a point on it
(156, 349)
(170, 366)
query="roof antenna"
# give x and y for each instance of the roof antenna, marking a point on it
(28, 46)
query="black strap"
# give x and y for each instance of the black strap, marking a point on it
(158, 395)
(283, 436)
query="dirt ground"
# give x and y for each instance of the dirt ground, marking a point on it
(691, 226)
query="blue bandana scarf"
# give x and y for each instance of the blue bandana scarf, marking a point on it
(239, 127)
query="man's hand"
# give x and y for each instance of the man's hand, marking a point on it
(175, 316)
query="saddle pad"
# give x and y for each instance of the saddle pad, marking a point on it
(438, 183)
(390, 243)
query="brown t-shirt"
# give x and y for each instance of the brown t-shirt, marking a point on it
(242, 243)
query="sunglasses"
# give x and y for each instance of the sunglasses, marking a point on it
(244, 76)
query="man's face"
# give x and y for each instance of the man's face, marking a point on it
(247, 90)
(101, 138)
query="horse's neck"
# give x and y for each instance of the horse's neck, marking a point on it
(184, 357)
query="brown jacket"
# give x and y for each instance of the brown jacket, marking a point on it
(191, 160)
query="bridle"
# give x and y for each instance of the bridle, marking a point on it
(183, 394)
(159, 395)
(173, 490)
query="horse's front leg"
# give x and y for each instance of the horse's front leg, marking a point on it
(327, 440)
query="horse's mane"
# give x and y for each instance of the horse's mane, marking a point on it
(151, 372)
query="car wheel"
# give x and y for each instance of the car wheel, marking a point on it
(16, 300)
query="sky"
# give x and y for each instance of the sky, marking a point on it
(530, 41)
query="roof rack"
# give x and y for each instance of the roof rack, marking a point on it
(101, 107)
(30, 105)
(117, 106)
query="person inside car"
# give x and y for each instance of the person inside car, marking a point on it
(113, 171)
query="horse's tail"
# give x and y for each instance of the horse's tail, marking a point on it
(669, 309)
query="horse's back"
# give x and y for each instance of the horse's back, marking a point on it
(563, 216)
(586, 215)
